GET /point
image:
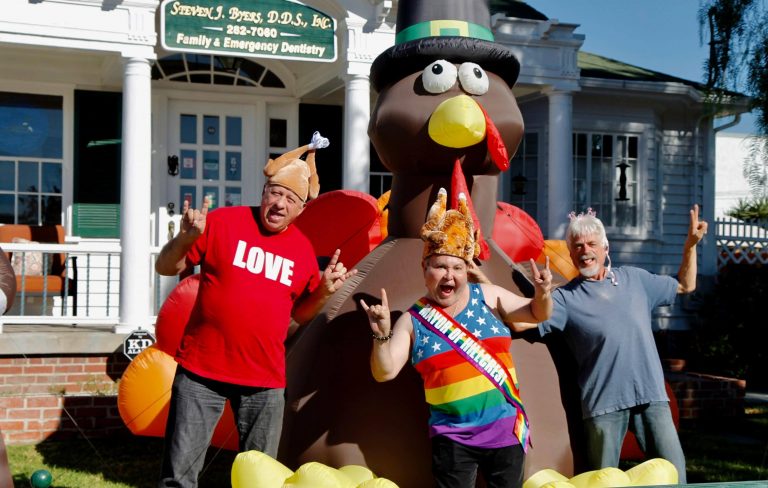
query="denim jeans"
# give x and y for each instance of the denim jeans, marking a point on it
(196, 406)
(653, 427)
(455, 465)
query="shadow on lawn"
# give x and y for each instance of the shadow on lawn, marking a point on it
(717, 450)
(128, 459)
(728, 449)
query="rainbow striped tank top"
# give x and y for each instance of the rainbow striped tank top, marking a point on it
(464, 405)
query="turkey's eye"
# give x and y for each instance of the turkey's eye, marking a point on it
(473, 79)
(439, 76)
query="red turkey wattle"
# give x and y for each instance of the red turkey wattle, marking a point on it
(495, 143)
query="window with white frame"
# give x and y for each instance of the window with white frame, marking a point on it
(214, 70)
(379, 177)
(605, 176)
(31, 129)
(523, 175)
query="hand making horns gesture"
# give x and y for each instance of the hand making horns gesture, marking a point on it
(193, 220)
(378, 316)
(336, 274)
(696, 228)
(542, 279)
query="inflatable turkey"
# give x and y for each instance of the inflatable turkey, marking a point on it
(445, 117)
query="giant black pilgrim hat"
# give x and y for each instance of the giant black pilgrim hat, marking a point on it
(454, 30)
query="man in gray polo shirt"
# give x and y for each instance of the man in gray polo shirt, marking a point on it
(605, 317)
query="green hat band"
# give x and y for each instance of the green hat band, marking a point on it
(443, 28)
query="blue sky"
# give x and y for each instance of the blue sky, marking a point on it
(662, 35)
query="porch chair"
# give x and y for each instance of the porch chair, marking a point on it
(52, 280)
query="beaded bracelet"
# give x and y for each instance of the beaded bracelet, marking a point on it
(385, 338)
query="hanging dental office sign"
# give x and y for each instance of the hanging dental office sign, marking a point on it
(283, 29)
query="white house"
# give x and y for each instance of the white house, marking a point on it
(117, 111)
(731, 151)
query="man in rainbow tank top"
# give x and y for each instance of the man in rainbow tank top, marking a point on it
(456, 339)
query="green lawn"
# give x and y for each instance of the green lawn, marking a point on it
(124, 462)
(728, 450)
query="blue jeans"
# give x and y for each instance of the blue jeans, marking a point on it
(455, 465)
(653, 427)
(196, 407)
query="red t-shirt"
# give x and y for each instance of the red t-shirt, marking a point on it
(249, 281)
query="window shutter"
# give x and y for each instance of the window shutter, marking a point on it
(96, 220)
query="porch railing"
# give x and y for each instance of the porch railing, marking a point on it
(740, 242)
(90, 294)
(87, 294)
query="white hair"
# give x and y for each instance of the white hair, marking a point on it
(585, 224)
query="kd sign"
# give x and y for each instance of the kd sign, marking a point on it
(137, 341)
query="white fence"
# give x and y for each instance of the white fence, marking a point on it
(90, 294)
(741, 242)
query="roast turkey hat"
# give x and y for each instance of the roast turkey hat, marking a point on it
(450, 232)
(298, 175)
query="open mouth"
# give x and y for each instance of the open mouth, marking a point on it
(446, 290)
(587, 261)
(274, 217)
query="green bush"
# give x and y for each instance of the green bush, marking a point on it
(750, 209)
(731, 337)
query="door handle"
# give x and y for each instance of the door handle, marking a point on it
(173, 165)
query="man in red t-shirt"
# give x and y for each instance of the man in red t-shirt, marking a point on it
(257, 271)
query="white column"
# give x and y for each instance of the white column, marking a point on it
(135, 201)
(357, 114)
(560, 192)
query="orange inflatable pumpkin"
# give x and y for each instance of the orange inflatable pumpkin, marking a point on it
(144, 394)
(559, 259)
(143, 399)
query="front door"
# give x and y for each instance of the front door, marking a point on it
(214, 149)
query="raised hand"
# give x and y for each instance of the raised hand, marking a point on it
(336, 274)
(378, 316)
(172, 258)
(193, 220)
(476, 275)
(542, 279)
(696, 228)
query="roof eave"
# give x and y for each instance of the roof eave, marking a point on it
(729, 105)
